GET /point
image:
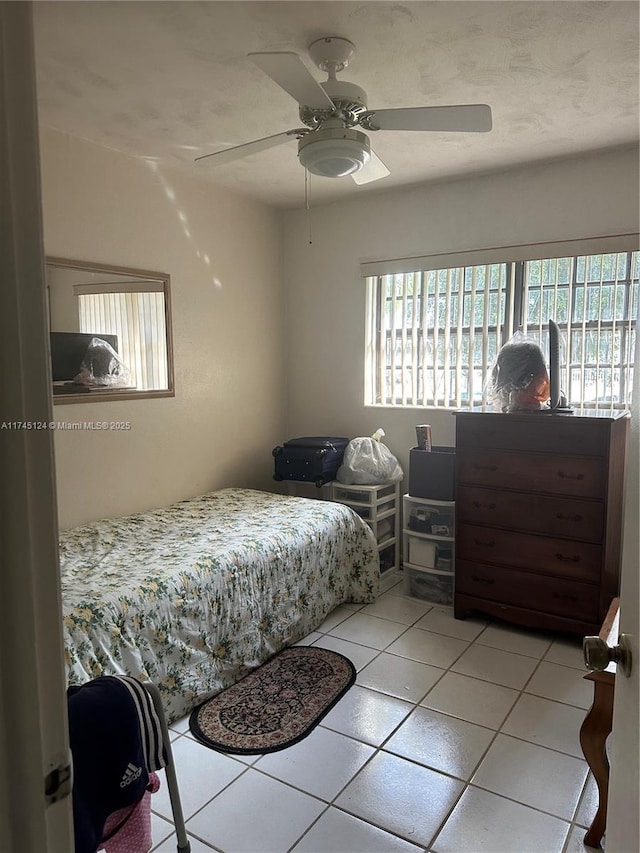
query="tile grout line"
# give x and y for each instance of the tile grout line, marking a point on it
(378, 749)
(521, 692)
(466, 783)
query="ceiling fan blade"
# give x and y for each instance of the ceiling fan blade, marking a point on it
(373, 171)
(290, 73)
(228, 155)
(466, 117)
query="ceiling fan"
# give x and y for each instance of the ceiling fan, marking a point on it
(329, 145)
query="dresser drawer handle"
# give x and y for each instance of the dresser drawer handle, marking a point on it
(564, 476)
(489, 543)
(564, 596)
(486, 467)
(479, 579)
(562, 558)
(564, 517)
(483, 506)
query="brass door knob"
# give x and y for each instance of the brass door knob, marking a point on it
(598, 655)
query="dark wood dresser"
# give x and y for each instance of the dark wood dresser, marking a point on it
(539, 516)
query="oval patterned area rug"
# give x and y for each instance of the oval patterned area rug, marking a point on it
(277, 704)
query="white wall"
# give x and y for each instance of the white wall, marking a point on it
(255, 363)
(580, 197)
(224, 255)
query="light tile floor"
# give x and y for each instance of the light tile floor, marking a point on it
(458, 737)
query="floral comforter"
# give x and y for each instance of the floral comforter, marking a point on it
(194, 595)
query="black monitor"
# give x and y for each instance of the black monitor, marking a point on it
(68, 350)
(557, 400)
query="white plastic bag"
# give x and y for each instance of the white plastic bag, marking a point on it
(367, 461)
(102, 365)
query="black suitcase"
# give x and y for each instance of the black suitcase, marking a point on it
(312, 459)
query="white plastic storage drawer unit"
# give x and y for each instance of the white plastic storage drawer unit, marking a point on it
(428, 549)
(379, 506)
(435, 587)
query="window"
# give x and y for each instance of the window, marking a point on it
(432, 335)
(135, 313)
(594, 300)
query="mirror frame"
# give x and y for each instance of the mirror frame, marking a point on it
(128, 394)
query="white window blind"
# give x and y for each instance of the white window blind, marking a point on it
(432, 335)
(138, 320)
(503, 254)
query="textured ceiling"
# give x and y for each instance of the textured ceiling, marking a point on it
(171, 81)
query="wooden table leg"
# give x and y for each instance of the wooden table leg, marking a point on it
(593, 736)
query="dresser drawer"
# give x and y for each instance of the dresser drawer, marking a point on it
(567, 558)
(548, 595)
(544, 514)
(581, 476)
(548, 433)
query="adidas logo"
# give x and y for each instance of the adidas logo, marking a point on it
(130, 775)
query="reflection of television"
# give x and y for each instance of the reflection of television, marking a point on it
(68, 350)
(557, 400)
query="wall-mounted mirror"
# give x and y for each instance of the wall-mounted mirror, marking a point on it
(110, 332)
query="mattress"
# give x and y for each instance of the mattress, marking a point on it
(195, 595)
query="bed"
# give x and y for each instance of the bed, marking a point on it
(195, 595)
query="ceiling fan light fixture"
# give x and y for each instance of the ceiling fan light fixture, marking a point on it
(335, 152)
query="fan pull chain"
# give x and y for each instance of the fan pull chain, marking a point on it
(307, 194)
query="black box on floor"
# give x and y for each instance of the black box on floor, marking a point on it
(432, 473)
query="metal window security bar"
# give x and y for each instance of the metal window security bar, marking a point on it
(432, 335)
(594, 299)
(435, 333)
